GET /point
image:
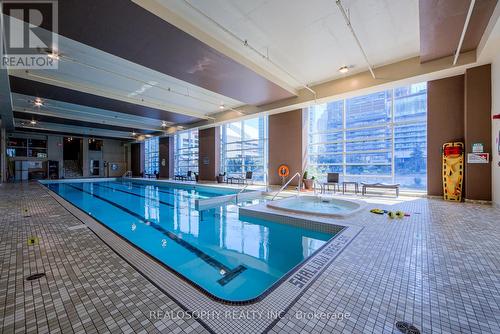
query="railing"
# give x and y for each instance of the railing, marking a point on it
(239, 192)
(288, 182)
(127, 174)
(320, 186)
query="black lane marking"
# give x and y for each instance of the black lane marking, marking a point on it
(223, 269)
(137, 195)
(155, 186)
(228, 276)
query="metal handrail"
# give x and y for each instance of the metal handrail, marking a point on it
(239, 192)
(288, 182)
(320, 186)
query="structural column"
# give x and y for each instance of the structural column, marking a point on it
(478, 130)
(137, 158)
(286, 144)
(445, 123)
(164, 157)
(209, 153)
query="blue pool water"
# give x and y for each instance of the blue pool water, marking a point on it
(232, 259)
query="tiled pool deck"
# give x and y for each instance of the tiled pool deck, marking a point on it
(438, 269)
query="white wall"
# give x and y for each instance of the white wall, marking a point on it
(495, 110)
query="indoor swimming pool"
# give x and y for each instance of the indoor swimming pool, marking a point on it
(234, 260)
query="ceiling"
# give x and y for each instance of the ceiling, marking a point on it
(310, 39)
(147, 66)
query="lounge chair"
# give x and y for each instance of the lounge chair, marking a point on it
(243, 180)
(332, 179)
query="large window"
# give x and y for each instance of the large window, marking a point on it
(186, 152)
(244, 148)
(151, 159)
(380, 137)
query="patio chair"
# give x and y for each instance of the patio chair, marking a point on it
(244, 180)
(332, 179)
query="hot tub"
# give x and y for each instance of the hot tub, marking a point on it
(318, 206)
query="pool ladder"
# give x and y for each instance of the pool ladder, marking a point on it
(288, 182)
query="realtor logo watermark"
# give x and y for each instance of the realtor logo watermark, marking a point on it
(29, 38)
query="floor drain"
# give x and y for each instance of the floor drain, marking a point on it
(407, 328)
(35, 276)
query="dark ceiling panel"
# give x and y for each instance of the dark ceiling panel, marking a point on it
(42, 90)
(95, 125)
(124, 29)
(442, 22)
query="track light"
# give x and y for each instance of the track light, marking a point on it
(344, 69)
(54, 55)
(38, 102)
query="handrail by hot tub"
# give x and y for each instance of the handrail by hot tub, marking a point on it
(239, 192)
(288, 182)
(320, 186)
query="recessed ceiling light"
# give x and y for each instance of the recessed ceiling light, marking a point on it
(344, 69)
(38, 102)
(33, 122)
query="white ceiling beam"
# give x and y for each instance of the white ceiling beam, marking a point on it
(464, 30)
(98, 119)
(71, 129)
(107, 93)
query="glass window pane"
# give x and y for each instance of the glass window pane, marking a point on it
(368, 169)
(326, 137)
(410, 155)
(410, 103)
(368, 109)
(369, 158)
(325, 117)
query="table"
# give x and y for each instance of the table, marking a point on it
(345, 183)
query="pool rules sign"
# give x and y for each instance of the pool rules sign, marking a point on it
(478, 156)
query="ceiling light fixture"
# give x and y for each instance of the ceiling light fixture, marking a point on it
(164, 124)
(33, 122)
(54, 55)
(221, 107)
(38, 102)
(134, 134)
(344, 69)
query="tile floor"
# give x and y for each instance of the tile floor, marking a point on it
(438, 269)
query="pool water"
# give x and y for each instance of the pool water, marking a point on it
(232, 259)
